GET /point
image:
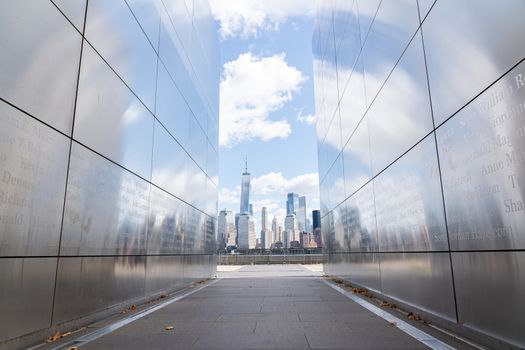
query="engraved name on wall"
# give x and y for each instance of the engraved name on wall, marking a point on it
(482, 152)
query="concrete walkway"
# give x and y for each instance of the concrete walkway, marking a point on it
(255, 307)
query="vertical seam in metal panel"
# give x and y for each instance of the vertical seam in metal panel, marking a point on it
(439, 167)
(68, 165)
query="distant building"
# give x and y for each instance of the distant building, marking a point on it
(245, 191)
(226, 231)
(292, 203)
(246, 229)
(316, 227)
(266, 234)
(290, 227)
(316, 219)
(275, 230)
(300, 214)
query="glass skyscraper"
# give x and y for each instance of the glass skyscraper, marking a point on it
(301, 215)
(420, 120)
(108, 156)
(292, 203)
(245, 191)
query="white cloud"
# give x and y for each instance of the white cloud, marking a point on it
(246, 18)
(308, 119)
(251, 88)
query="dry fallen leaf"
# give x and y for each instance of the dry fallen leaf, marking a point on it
(65, 334)
(387, 304)
(73, 348)
(163, 296)
(413, 317)
(169, 328)
(53, 338)
(133, 307)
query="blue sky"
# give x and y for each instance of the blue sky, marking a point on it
(267, 103)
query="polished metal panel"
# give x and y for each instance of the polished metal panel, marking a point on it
(339, 235)
(211, 233)
(335, 185)
(489, 289)
(457, 189)
(169, 163)
(360, 268)
(147, 14)
(171, 51)
(198, 143)
(347, 41)
(89, 284)
(114, 32)
(400, 116)
(75, 11)
(367, 10)
(468, 46)
(194, 231)
(110, 119)
(423, 280)
(164, 273)
(482, 151)
(106, 210)
(352, 105)
(360, 222)
(171, 108)
(113, 235)
(166, 223)
(424, 7)
(410, 215)
(39, 61)
(26, 295)
(356, 159)
(33, 166)
(393, 27)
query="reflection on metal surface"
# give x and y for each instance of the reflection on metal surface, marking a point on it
(166, 223)
(137, 214)
(394, 25)
(356, 158)
(110, 119)
(39, 61)
(119, 39)
(360, 222)
(482, 151)
(403, 69)
(33, 165)
(362, 268)
(106, 209)
(400, 115)
(26, 295)
(420, 279)
(495, 280)
(164, 273)
(468, 46)
(89, 284)
(410, 215)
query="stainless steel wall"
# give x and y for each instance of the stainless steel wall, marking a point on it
(421, 125)
(108, 155)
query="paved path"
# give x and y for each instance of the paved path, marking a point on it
(256, 307)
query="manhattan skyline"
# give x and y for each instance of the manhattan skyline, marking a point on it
(272, 123)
